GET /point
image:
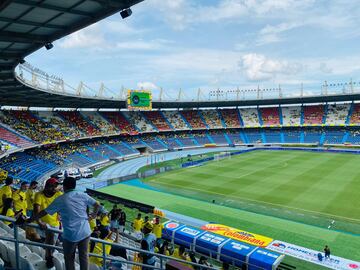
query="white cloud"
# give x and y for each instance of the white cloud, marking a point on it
(272, 33)
(147, 86)
(258, 67)
(88, 37)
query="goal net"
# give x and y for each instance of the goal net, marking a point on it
(222, 155)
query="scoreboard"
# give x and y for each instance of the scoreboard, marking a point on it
(139, 100)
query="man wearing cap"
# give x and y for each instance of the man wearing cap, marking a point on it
(148, 243)
(19, 198)
(42, 200)
(72, 206)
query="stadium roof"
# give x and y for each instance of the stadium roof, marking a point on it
(27, 25)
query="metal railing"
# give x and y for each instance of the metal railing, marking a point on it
(161, 259)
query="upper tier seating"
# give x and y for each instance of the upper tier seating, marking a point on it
(355, 116)
(98, 121)
(231, 118)
(194, 119)
(76, 119)
(291, 115)
(60, 124)
(120, 122)
(212, 118)
(313, 115)
(250, 117)
(138, 120)
(13, 138)
(26, 123)
(157, 120)
(270, 116)
(337, 114)
(176, 120)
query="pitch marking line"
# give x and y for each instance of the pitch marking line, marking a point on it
(259, 201)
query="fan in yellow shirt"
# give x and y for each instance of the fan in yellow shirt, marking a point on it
(104, 220)
(8, 210)
(30, 197)
(138, 223)
(6, 190)
(97, 249)
(157, 228)
(19, 197)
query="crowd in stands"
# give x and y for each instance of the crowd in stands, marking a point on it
(313, 115)
(291, 115)
(98, 121)
(77, 120)
(337, 114)
(194, 119)
(120, 122)
(231, 118)
(176, 120)
(157, 120)
(212, 118)
(270, 116)
(142, 124)
(355, 116)
(250, 117)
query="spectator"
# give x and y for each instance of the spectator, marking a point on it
(30, 197)
(138, 223)
(104, 220)
(72, 207)
(114, 218)
(157, 230)
(327, 252)
(122, 220)
(8, 210)
(42, 200)
(19, 197)
(148, 243)
(180, 253)
(6, 190)
(164, 249)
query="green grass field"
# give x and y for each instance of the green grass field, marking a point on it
(287, 195)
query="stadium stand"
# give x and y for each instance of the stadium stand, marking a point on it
(334, 136)
(250, 117)
(253, 136)
(10, 137)
(98, 121)
(157, 119)
(137, 119)
(176, 120)
(291, 116)
(120, 122)
(273, 136)
(355, 117)
(231, 118)
(312, 135)
(292, 135)
(337, 114)
(212, 118)
(313, 115)
(194, 119)
(76, 119)
(270, 116)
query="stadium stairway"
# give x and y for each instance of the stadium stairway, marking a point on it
(240, 118)
(263, 137)
(302, 116)
(282, 138)
(260, 117)
(179, 142)
(148, 121)
(114, 150)
(167, 121)
(162, 143)
(210, 138)
(227, 138)
(345, 138)
(186, 121)
(203, 119)
(281, 117)
(349, 114)
(221, 119)
(326, 109)
(302, 136)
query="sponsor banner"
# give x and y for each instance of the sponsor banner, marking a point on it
(313, 256)
(240, 235)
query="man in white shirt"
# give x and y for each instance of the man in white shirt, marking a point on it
(72, 208)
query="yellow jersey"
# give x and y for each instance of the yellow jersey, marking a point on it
(5, 191)
(138, 224)
(157, 230)
(9, 213)
(99, 251)
(92, 223)
(20, 202)
(44, 202)
(30, 197)
(104, 221)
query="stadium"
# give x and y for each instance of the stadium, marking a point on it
(257, 178)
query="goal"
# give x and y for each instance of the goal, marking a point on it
(222, 155)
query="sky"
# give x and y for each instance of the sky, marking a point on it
(213, 44)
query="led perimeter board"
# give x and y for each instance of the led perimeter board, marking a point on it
(139, 100)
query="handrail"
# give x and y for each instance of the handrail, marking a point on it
(105, 257)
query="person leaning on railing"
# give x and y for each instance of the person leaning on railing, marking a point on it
(72, 207)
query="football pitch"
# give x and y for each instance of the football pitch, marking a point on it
(305, 198)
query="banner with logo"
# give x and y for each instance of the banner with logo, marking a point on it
(313, 256)
(240, 235)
